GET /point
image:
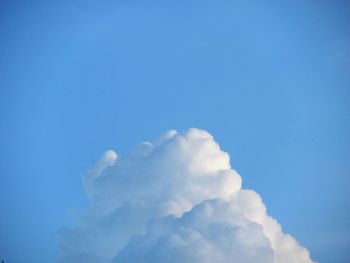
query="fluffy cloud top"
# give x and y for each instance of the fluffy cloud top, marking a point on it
(174, 200)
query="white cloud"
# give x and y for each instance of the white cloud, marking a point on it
(174, 200)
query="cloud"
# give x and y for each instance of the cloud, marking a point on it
(174, 200)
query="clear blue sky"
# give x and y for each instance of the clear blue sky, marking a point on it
(269, 79)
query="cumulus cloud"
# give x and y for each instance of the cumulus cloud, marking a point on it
(174, 200)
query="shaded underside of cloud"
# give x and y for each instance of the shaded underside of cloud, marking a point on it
(176, 199)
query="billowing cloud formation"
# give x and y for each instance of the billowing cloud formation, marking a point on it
(174, 200)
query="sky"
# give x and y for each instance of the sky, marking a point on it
(268, 79)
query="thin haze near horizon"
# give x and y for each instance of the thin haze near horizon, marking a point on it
(269, 80)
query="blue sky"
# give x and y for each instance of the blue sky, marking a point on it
(269, 79)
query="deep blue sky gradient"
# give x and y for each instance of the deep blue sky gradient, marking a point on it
(269, 79)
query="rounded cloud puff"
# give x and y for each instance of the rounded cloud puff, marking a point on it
(174, 200)
(213, 231)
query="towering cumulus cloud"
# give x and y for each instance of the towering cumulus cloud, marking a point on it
(174, 200)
